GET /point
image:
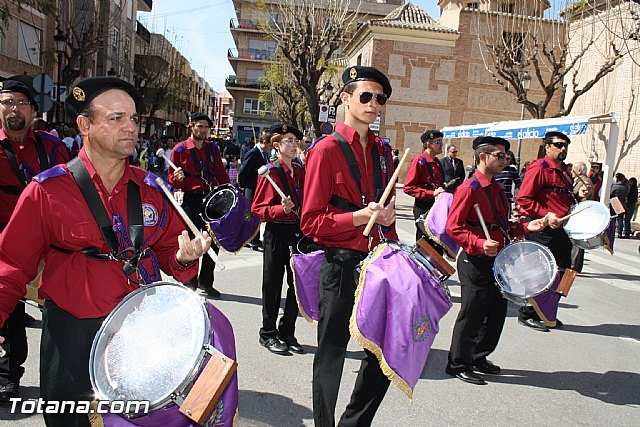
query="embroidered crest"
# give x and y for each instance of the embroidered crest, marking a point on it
(421, 329)
(246, 216)
(353, 73)
(149, 215)
(78, 94)
(383, 164)
(285, 129)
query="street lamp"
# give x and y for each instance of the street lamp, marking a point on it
(61, 44)
(525, 82)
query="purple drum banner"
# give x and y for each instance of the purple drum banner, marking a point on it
(397, 313)
(546, 304)
(236, 228)
(306, 280)
(436, 224)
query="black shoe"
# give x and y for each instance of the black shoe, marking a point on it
(274, 345)
(210, 291)
(192, 284)
(293, 344)
(467, 376)
(258, 248)
(486, 367)
(538, 325)
(9, 391)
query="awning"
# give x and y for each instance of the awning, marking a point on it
(467, 131)
(520, 129)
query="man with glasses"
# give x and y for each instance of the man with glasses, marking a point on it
(547, 191)
(453, 168)
(282, 218)
(24, 154)
(200, 170)
(483, 309)
(425, 179)
(344, 179)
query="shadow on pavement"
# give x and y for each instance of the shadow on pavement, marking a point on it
(607, 387)
(629, 277)
(239, 298)
(268, 409)
(436, 363)
(607, 329)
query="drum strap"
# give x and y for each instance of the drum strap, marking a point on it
(196, 162)
(433, 186)
(502, 220)
(129, 256)
(285, 183)
(43, 159)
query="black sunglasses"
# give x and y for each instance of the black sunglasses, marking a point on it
(368, 96)
(560, 145)
(501, 155)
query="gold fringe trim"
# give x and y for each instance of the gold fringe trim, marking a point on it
(607, 243)
(295, 287)
(215, 239)
(451, 256)
(370, 345)
(236, 418)
(534, 304)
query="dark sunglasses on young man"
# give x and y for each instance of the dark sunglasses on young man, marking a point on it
(368, 96)
(501, 156)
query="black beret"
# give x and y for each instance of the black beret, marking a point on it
(550, 135)
(430, 134)
(490, 140)
(11, 85)
(282, 129)
(83, 92)
(359, 73)
(200, 116)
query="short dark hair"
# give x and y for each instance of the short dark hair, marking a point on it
(549, 136)
(265, 136)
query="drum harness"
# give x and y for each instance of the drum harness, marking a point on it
(287, 190)
(502, 224)
(427, 203)
(43, 160)
(129, 257)
(560, 190)
(199, 165)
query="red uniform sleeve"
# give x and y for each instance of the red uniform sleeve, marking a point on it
(266, 202)
(182, 159)
(457, 227)
(222, 176)
(414, 183)
(532, 183)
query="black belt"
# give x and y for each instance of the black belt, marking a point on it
(346, 253)
(477, 224)
(556, 189)
(286, 221)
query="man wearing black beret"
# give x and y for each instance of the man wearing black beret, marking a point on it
(344, 180)
(84, 220)
(483, 309)
(547, 191)
(425, 179)
(200, 170)
(24, 154)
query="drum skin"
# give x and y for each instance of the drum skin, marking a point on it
(587, 229)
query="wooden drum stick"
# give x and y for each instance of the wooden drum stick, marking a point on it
(482, 223)
(566, 217)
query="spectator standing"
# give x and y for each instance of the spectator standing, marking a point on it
(632, 201)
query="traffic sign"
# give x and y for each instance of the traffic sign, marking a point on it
(63, 93)
(43, 83)
(326, 128)
(44, 102)
(323, 116)
(331, 114)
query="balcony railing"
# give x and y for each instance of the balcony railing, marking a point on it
(252, 54)
(143, 32)
(243, 83)
(244, 24)
(145, 5)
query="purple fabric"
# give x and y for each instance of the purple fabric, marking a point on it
(150, 180)
(306, 277)
(436, 224)
(224, 410)
(611, 235)
(236, 227)
(546, 304)
(50, 173)
(397, 314)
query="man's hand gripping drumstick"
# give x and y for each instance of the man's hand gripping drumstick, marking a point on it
(374, 210)
(287, 203)
(490, 246)
(177, 171)
(190, 250)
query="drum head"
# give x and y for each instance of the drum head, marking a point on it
(150, 346)
(589, 222)
(525, 269)
(218, 203)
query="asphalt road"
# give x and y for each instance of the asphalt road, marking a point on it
(587, 373)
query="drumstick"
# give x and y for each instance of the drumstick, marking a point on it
(574, 213)
(160, 153)
(387, 191)
(190, 223)
(264, 171)
(482, 223)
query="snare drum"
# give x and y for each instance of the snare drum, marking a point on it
(397, 312)
(587, 229)
(157, 345)
(523, 270)
(227, 215)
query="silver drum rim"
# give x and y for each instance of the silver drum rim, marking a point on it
(553, 268)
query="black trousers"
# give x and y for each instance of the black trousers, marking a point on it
(417, 211)
(560, 246)
(482, 313)
(192, 205)
(278, 239)
(64, 361)
(15, 346)
(337, 296)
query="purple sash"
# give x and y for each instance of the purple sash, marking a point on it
(306, 279)
(397, 312)
(546, 304)
(436, 224)
(225, 410)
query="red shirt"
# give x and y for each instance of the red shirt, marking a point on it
(536, 197)
(419, 177)
(212, 172)
(327, 174)
(27, 160)
(267, 204)
(52, 212)
(471, 237)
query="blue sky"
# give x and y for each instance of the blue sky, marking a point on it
(200, 31)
